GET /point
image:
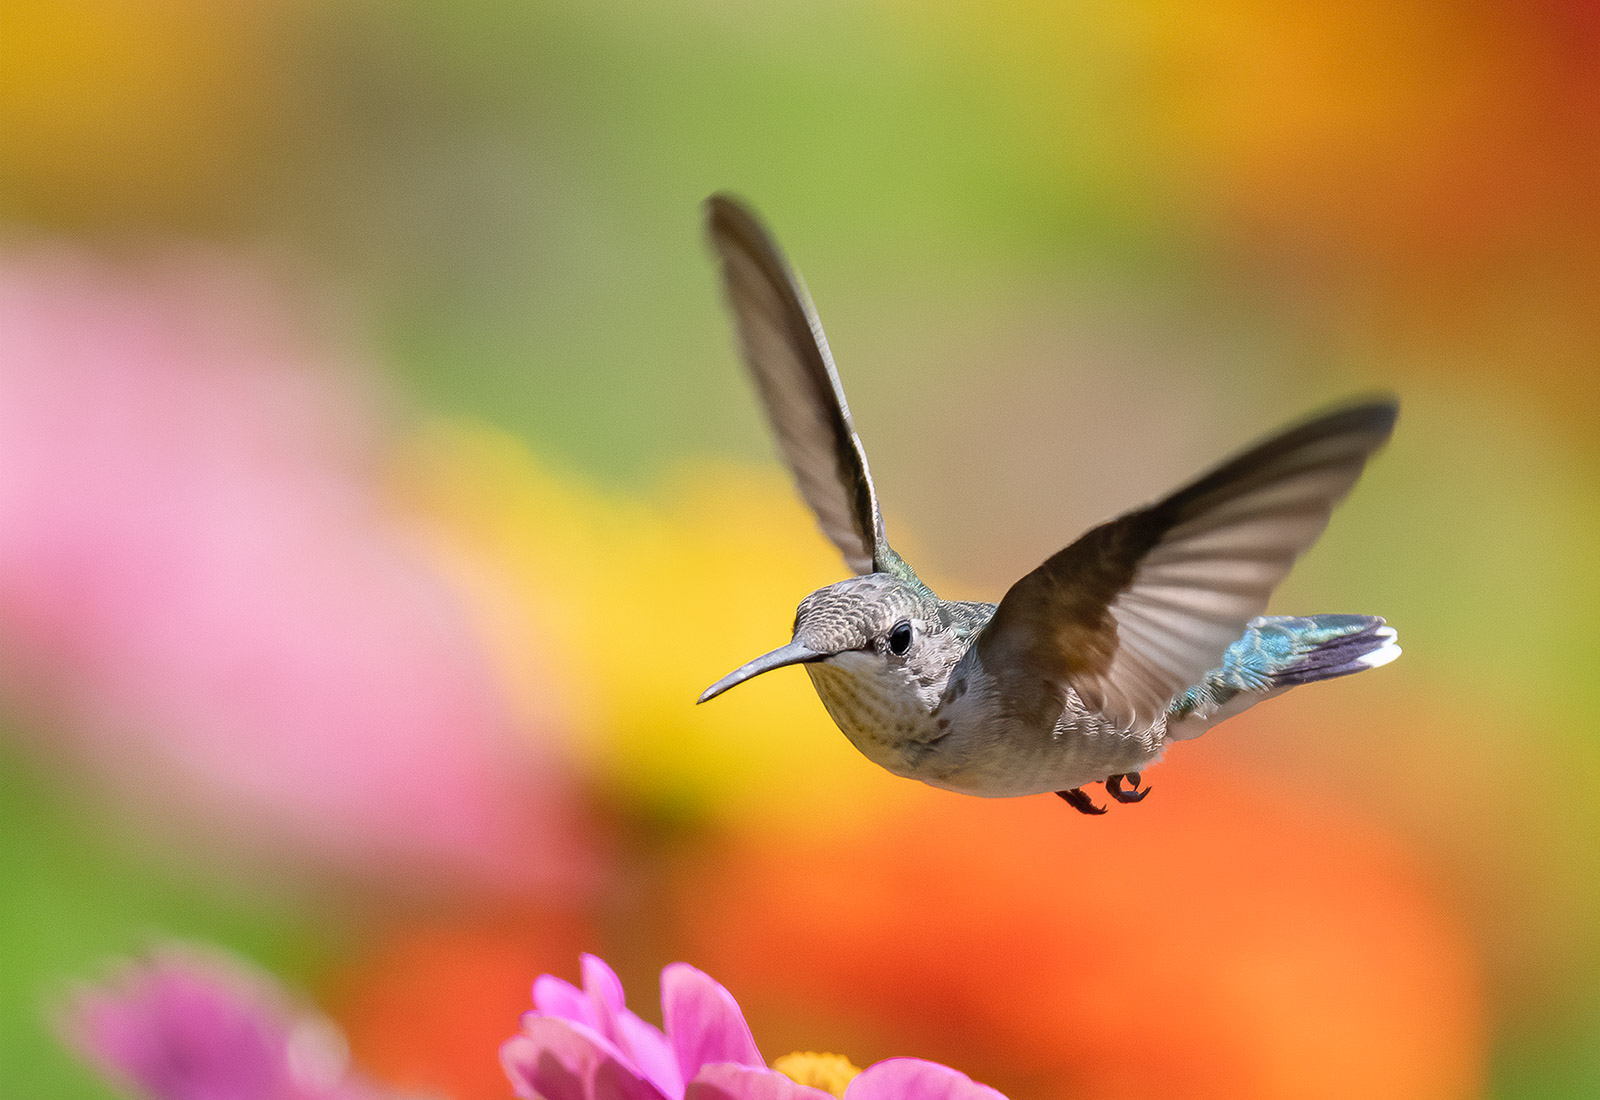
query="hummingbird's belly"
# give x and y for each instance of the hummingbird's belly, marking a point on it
(995, 761)
(964, 749)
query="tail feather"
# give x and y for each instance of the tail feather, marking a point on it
(1302, 651)
(1277, 653)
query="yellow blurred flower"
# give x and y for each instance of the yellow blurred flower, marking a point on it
(829, 1072)
(633, 606)
(128, 112)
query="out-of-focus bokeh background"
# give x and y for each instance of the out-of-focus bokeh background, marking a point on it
(378, 488)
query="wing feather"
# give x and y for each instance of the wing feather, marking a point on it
(788, 357)
(1138, 609)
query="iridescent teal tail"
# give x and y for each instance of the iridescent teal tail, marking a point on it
(1276, 653)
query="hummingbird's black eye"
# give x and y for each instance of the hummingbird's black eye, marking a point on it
(900, 638)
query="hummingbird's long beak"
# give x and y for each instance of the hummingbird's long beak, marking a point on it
(792, 654)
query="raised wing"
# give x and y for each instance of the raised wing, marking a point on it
(788, 356)
(1141, 607)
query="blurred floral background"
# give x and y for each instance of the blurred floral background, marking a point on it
(379, 487)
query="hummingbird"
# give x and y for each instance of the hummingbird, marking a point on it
(1148, 630)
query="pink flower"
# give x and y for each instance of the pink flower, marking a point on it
(187, 1026)
(207, 599)
(585, 1044)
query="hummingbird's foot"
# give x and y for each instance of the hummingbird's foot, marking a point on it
(1079, 800)
(1114, 788)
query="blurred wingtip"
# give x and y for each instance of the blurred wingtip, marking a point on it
(729, 215)
(1377, 411)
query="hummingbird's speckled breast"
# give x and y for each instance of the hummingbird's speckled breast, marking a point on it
(879, 709)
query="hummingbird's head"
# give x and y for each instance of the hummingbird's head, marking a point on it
(876, 615)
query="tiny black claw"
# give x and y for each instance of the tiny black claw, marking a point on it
(1134, 794)
(1079, 801)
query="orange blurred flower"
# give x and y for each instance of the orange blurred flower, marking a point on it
(1208, 943)
(1413, 177)
(427, 1005)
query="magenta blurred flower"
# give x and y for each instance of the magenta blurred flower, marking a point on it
(204, 592)
(584, 1044)
(183, 1025)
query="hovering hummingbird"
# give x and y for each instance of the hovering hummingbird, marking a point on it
(1145, 631)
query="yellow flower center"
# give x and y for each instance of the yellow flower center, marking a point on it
(828, 1072)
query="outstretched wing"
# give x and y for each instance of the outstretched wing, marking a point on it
(788, 355)
(1141, 607)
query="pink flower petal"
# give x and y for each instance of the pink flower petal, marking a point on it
(186, 1025)
(725, 1081)
(703, 1021)
(563, 1000)
(650, 1052)
(600, 1006)
(177, 1034)
(603, 986)
(561, 1060)
(915, 1079)
(603, 1006)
